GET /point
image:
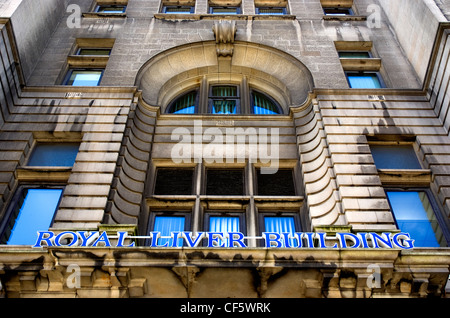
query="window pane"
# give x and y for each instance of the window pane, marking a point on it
(224, 10)
(84, 78)
(224, 224)
(338, 11)
(35, 214)
(280, 224)
(111, 9)
(94, 52)
(414, 215)
(174, 181)
(369, 80)
(178, 9)
(168, 224)
(354, 55)
(271, 11)
(224, 107)
(54, 155)
(277, 184)
(224, 91)
(263, 105)
(395, 157)
(224, 99)
(224, 182)
(184, 104)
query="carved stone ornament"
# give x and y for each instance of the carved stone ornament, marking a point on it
(224, 32)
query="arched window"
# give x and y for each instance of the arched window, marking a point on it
(224, 99)
(185, 104)
(263, 104)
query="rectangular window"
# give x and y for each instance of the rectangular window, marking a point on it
(280, 183)
(225, 182)
(93, 51)
(178, 9)
(355, 55)
(281, 224)
(369, 80)
(33, 211)
(415, 215)
(224, 223)
(224, 99)
(338, 11)
(395, 157)
(109, 8)
(54, 154)
(166, 224)
(84, 77)
(271, 10)
(171, 181)
(224, 10)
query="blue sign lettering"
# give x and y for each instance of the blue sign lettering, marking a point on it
(296, 240)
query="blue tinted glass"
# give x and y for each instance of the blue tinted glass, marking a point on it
(166, 225)
(395, 157)
(364, 81)
(283, 224)
(224, 107)
(36, 214)
(54, 155)
(262, 105)
(414, 215)
(84, 78)
(184, 104)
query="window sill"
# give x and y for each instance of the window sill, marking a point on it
(44, 174)
(407, 177)
(173, 16)
(345, 18)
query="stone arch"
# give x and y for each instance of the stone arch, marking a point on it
(279, 74)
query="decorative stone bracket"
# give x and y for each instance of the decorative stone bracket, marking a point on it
(224, 32)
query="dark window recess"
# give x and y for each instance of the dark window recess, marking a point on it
(174, 181)
(280, 183)
(224, 182)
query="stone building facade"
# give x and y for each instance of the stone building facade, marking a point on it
(313, 89)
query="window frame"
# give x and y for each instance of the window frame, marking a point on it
(205, 183)
(177, 169)
(360, 73)
(190, 7)
(40, 143)
(16, 203)
(259, 7)
(98, 6)
(236, 98)
(71, 70)
(441, 220)
(174, 100)
(252, 103)
(350, 11)
(256, 186)
(80, 49)
(161, 213)
(270, 213)
(211, 9)
(217, 213)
